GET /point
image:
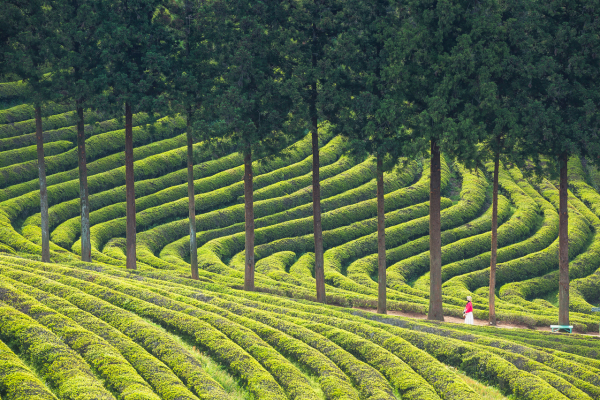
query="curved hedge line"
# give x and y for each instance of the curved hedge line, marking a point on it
(96, 147)
(471, 200)
(17, 381)
(55, 129)
(52, 122)
(155, 239)
(27, 111)
(154, 369)
(12, 90)
(61, 367)
(24, 154)
(172, 202)
(67, 212)
(106, 361)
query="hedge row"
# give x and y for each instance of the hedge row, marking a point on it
(327, 316)
(338, 191)
(472, 199)
(414, 357)
(178, 250)
(17, 381)
(96, 147)
(110, 165)
(67, 212)
(531, 265)
(458, 245)
(108, 320)
(586, 290)
(106, 361)
(226, 186)
(267, 239)
(64, 370)
(478, 362)
(524, 219)
(21, 206)
(155, 239)
(13, 90)
(27, 111)
(334, 383)
(289, 377)
(11, 132)
(331, 218)
(93, 127)
(260, 382)
(576, 377)
(583, 265)
(29, 153)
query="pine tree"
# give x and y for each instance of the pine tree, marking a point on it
(257, 99)
(133, 57)
(369, 109)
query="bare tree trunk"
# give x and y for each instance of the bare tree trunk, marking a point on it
(381, 301)
(43, 190)
(129, 189)
(436, 311)
(563, 245)
(249, 217)
(492, 297)
(318, 231)
(192, 206)
(86, 246)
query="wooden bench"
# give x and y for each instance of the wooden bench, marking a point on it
(557, 328)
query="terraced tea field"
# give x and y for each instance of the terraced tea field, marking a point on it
(74, 330)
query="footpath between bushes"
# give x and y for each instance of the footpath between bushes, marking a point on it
(478, 322)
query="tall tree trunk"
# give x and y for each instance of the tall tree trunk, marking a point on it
(84, 204)
(192, 206)
(492, 297)
(563, 245)
(249, 218)
(318, 231)
(436, 311)
(129, 189)
(381, 301)
(43, 190)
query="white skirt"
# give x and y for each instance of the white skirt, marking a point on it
(469, 318)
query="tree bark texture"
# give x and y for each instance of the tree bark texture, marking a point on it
(191, 200)
(381, 300)
(43, 190)
(129, 189)
(435, 236)
(249, 218)
(563, 245)
(492, 296)
(84, 204)
(318, 230)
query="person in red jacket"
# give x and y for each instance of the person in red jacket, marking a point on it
(468, 312)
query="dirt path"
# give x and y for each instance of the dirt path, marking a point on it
(480, 322)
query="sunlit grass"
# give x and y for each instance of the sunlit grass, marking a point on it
(484, 392)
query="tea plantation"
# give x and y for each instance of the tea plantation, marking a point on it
(75, 330)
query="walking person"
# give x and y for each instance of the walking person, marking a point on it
(468, 312)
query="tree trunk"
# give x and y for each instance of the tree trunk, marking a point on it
(43, 190)
(129, 189)
(249, 218)
(318, 231)
(436, 311)
(381, 301)
(563, 245)
(84, 204)
(192, 206)
(492, 297)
